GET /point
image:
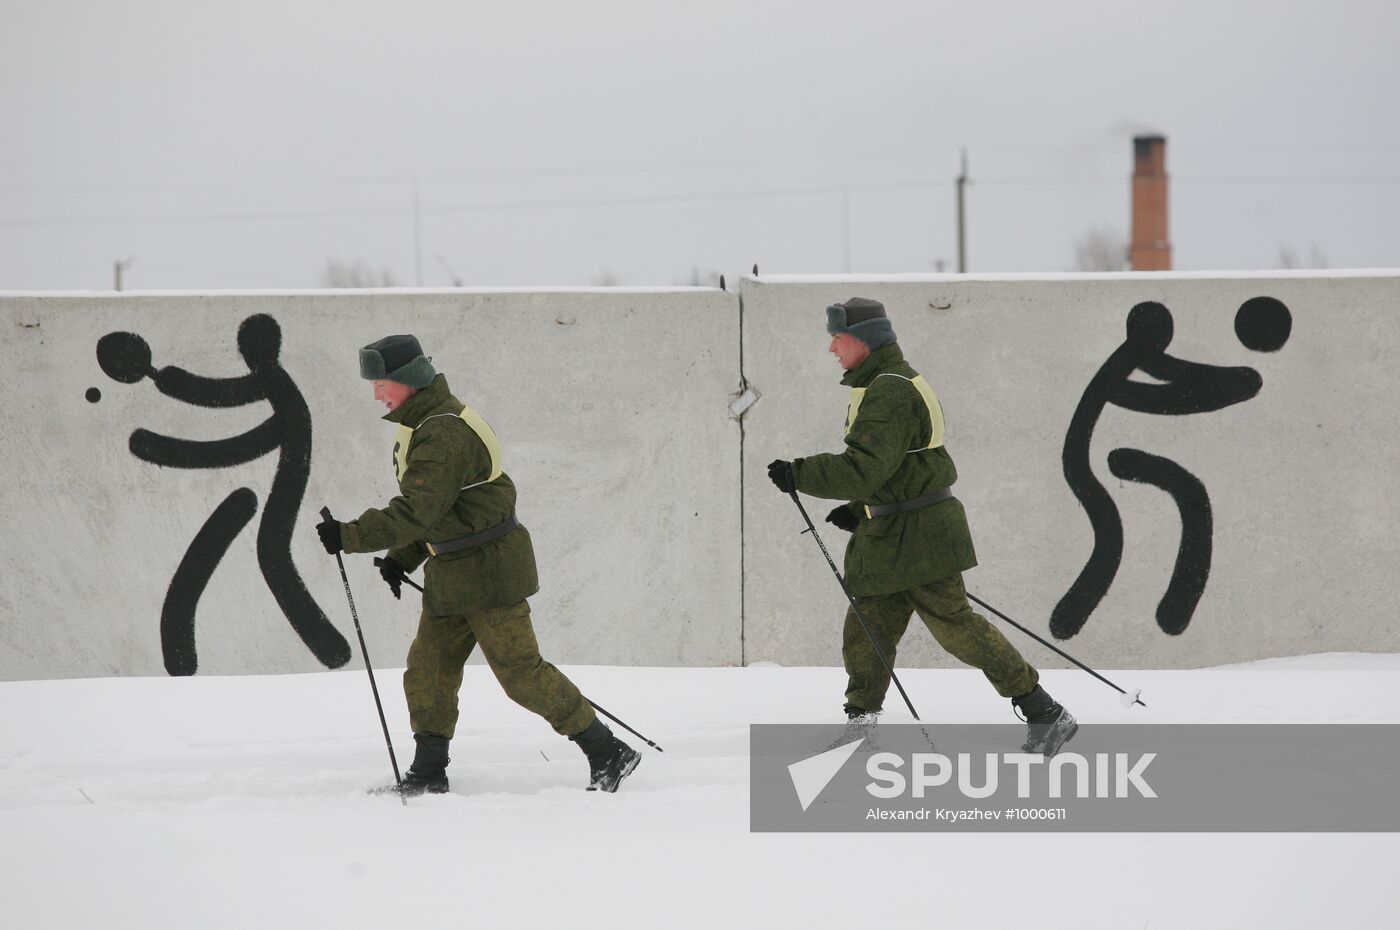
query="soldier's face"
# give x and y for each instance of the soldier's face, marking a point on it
(392, 394)
(849, 350)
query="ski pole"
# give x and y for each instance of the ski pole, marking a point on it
(326, 514)
(625, 727)
(878, 651)
(419, 588)
(1136, 698)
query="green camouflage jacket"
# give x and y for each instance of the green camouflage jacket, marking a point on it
(888, 459)
(445, 492)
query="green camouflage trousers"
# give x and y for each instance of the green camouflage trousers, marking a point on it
(507, 640)
(962, 632)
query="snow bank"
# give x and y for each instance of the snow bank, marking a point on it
(234, 802)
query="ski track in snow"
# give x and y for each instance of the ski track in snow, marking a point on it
(240, 802)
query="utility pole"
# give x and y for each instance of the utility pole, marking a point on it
(962, 215)
(118, 267)
(846, 230)
(417, 237)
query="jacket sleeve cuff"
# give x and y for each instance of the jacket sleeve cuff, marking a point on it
(350, 539)
(410, 557)
(797, 473)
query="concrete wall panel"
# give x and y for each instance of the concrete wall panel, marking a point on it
(1303, 479)
(612, 408)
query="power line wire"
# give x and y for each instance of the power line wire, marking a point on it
(496, 175)
(479, 206)
(496, 206)
(950, 151)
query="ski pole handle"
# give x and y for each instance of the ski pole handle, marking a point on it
(379, 563)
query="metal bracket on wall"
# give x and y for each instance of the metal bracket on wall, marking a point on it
(742, 402)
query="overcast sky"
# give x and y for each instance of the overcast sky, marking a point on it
(243, 145)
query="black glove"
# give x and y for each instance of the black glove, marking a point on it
(844, 518)
(780, 473)
(393, 574)
(329, 531)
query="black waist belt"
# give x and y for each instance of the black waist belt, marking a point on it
(477, 539)
(928, 500)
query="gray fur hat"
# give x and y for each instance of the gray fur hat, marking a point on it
(397, 358)
(863, 318)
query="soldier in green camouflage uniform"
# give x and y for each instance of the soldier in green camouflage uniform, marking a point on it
(910, 541)
(456, 512)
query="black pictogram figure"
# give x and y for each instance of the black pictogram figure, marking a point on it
(126, 357)
(1263, 325)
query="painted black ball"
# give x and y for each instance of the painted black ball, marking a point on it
(1263, 324)
(124, 357)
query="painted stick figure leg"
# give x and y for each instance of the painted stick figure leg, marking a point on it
(206, 550)
(1097, 575)
(1193, 557)
(275, 559)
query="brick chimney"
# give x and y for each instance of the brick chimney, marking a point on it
(1151, 247)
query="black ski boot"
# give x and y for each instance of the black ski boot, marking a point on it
(429, 769)
(1048, 725)
(860, 724)
(610, 760)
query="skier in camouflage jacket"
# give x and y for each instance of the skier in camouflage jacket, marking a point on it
(456, 511)
(909, 541)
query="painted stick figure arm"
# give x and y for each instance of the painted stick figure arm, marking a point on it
(1190, 387)
(169, 452)
(875, 449)
(208, 392)
(441, 462)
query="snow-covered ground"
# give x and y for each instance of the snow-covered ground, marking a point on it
(239, 802)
